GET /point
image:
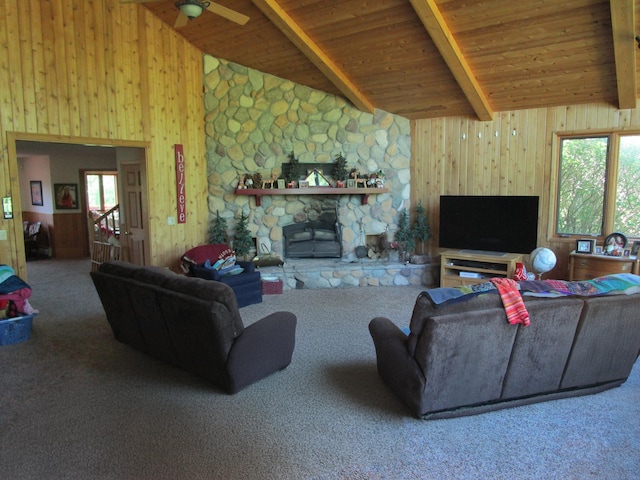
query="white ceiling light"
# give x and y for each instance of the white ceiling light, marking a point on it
(192, 8)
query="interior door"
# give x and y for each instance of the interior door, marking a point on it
(135, 213)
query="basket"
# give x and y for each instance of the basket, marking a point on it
(15, 330)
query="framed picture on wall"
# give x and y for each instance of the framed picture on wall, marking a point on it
(66, 196)
(635, 248)
(36, 192)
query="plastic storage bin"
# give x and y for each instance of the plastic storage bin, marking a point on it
(15, 330)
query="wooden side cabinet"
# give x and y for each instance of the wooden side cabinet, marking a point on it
(458, 269)
(584, 266)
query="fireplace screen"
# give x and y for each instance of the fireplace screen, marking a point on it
(315, 239)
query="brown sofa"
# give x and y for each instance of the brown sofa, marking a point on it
(463, 358)
(193, 324)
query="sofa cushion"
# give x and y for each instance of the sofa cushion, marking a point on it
(424, 309)
(607, 341)
(464, 358)
(541, 350)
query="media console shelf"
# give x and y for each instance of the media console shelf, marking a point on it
(458, 269)
(258, 192)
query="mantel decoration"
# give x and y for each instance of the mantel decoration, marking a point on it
(340, 172)
(291, 170)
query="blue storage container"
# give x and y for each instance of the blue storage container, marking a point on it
(15, 330)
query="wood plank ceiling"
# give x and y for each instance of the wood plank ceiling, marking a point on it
(434, 58)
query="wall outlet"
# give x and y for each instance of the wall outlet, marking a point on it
(3, 234)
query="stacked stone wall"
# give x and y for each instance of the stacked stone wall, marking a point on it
(254, 120)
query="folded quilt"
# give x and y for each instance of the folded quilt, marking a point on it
(618, 283)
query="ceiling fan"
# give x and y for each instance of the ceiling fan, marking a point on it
(190, 9)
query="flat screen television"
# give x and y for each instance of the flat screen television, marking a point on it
(487, 223)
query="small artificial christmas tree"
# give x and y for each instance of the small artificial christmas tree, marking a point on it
(242, 241)
(421, 231)
(404, 236)
(218, 230)
(291, 170)
(340, 171)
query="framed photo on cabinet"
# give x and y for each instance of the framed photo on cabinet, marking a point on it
(585, 246)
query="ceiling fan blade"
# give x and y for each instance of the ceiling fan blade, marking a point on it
(181, 20)
(227, 13)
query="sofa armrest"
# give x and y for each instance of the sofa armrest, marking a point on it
(396, 366)
(206, 273)
(263, 348)
(213, 274)
(249, 267)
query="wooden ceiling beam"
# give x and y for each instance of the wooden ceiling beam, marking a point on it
(281, 19)
(446, 44)
(624, 49)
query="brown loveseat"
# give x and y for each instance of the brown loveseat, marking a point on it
(193, 324)
(464, 357)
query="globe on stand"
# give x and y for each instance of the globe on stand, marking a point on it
(542, 261)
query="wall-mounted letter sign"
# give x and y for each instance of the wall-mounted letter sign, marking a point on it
(180, 184)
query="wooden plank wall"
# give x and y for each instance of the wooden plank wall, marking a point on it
(511, 155)
(105, 73)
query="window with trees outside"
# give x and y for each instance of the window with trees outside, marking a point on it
(599, 185)
(102, 191)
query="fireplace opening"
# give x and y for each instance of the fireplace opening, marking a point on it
(313, 239)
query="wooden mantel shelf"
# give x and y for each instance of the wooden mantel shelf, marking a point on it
(258, 192)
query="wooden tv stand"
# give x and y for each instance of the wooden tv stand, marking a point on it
(479, 266)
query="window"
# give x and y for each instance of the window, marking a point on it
(599, 185)
(102, 191)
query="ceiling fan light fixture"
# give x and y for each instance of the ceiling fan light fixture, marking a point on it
(192, 8)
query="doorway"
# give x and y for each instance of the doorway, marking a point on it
(62, 161)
